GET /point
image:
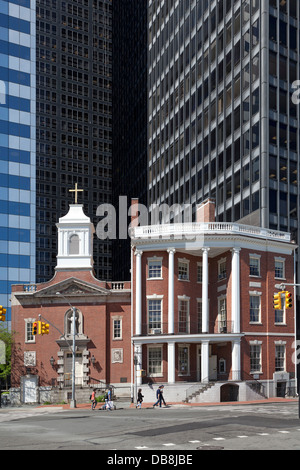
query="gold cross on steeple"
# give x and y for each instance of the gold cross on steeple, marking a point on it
(76, 191)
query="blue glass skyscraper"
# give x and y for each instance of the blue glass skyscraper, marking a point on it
(17, 145)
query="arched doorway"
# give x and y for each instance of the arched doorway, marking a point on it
(229, 392)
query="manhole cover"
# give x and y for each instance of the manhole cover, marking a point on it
(210, 448)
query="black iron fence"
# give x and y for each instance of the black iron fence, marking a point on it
(186, 327)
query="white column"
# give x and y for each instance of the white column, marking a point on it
(205, 361)
(138, 363)
(205, 312)
(171, 252)
(235, 291)
(236, 359)
(138, 293)
(171, 363)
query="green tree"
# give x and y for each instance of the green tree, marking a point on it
(6, 341)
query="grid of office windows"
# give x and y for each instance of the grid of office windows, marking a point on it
(17, 146)
(204, 104)
(222, 122)
(74, 120)
(129, 116)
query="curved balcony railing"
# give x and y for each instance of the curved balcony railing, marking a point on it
(197, 229)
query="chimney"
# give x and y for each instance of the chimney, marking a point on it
(134, 212)
(206, 211)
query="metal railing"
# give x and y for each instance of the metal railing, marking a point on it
(198, 229)
(186, 328)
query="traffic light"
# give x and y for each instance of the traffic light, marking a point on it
(277, 301)
(35, 328)
(2, 313)
(288, 300)
(44, 328)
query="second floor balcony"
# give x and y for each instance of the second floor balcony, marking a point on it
(158, 328)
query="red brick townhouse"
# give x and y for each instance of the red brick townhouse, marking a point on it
(203, 309)
(42, 365)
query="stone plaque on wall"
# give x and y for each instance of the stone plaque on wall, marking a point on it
(29, 358)
(117, 356)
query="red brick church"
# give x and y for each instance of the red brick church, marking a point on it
(42, 364)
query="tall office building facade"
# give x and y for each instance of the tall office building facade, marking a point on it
(17, 145)
(222, 122)
(129, 118)
(74, 120)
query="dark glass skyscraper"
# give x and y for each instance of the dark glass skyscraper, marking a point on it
(74, 120)
(222, 123)
(129, 115)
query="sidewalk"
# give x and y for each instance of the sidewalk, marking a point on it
(87, 406)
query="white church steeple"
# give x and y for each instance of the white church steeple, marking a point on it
(75, 239)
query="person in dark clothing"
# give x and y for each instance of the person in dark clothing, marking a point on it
(158, 397)
(139, 399)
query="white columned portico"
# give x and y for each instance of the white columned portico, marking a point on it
(205, 361)
(138, 293)
(236, 359)
(235, 290)
(171, 363)
(205, 311)
(171, 274)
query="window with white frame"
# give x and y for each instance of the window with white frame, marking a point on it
(183, 360)
(254, 265)
(29, 337)
(154, 268)
(222, 314)
(117, 328)
(280, 268)
(255, 358)
(183, 315)
(155, 361)
(183, 270)
(255, 308)
(222, 268)
(199, 272)
(154, 315)
(279, 357)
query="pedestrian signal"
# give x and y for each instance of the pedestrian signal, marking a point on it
(277, 301)
(288, 300)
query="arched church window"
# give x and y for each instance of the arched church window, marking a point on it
(74, 245)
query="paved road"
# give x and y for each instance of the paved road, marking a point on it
(231, 427)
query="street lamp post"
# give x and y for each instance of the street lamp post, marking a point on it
(73, 401)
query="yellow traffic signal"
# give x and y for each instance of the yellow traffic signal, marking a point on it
(35, 328)
(277, 301)
(44, 328)
(288, 300)
(2, 313)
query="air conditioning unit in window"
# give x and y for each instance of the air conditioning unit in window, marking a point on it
(183, 276)
(155, 331)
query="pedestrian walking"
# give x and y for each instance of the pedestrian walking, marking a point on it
(140, 398)
(158, 398)
(162, 395)
(109, 402)
(93, 399)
